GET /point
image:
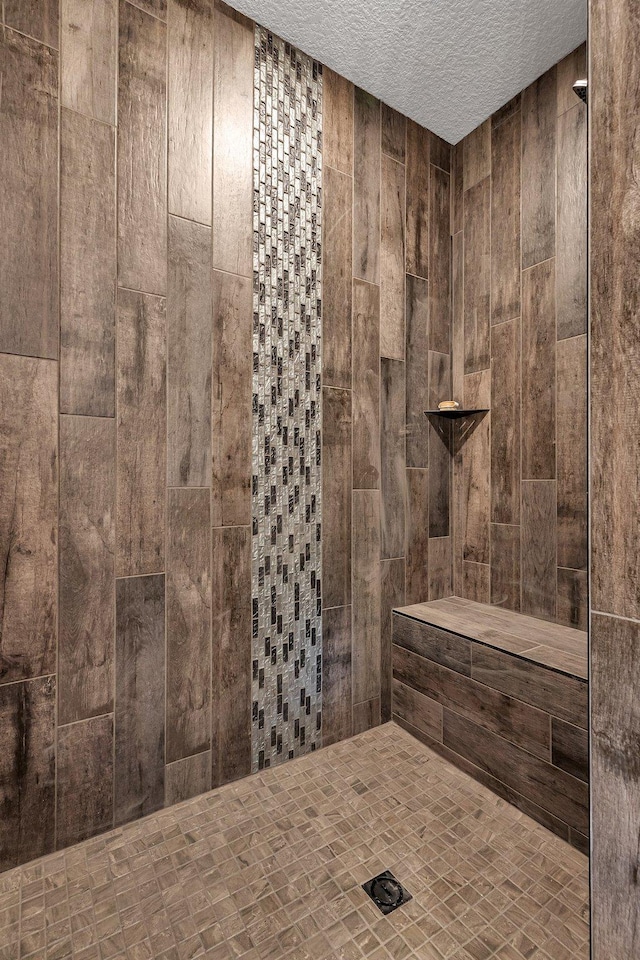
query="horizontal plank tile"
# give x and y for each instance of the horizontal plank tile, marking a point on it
(511, 719)
(432, 643)
(550, 788)
(532, 683)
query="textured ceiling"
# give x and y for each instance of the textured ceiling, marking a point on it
(449, 64)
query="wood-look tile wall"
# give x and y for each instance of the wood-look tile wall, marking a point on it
(125, 407)
(614, 97)
(516, 726)
(519, 226)
(386, 348)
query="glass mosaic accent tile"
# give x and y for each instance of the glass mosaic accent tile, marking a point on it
(287, 469)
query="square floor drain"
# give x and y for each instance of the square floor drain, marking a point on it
(386, 892)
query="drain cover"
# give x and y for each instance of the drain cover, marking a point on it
(386, 892)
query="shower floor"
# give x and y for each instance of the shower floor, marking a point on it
(272, 867)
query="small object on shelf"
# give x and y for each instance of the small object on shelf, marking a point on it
(448, 405)
(454, 413)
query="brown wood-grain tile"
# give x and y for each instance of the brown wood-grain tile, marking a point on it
(539, 536)
(394, 131)
(418, 159)
(337, 122)
(457, 315)
(336, 477)
(187, 778)
(392, 277)
(416, 709)
(476, 152)
(571, 259)
(505, 565)
(439, 261)
(86, 645)
(505, 422)
(188, 587)
(392, 595)
(336, 674)
(417, 534)
(158, 8)
(440, 568)
(140, 697)
(573, 599)
(84, 794)
(532, 683)
(231, 664)
(366, 385)
(366, 595)
(539, 108)
(141, 434)
(552, 789)
(89, 57)
(36, 18)
(441, 153)
(393, 494)
(142, 150)
(366, 187)
(87, 266)
(615, 387)
(425, 640)
(474, 451)
(570, 749)
(477, 276)
(511, 719)
(28, 517)
(366, 715)
(571, 68)
(571, 426)
(27, 770)
(190, 108)
(615, 664)
(440, 438)
(505, 219)
(417, 371)
(231, 411)
(189, 344)
(539, 372)
(233, 144)
(29, 199)
(457, 188)
(337, 226)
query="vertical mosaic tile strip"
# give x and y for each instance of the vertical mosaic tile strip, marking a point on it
(286, 493)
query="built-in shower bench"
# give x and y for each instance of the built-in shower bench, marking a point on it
(504, 697)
